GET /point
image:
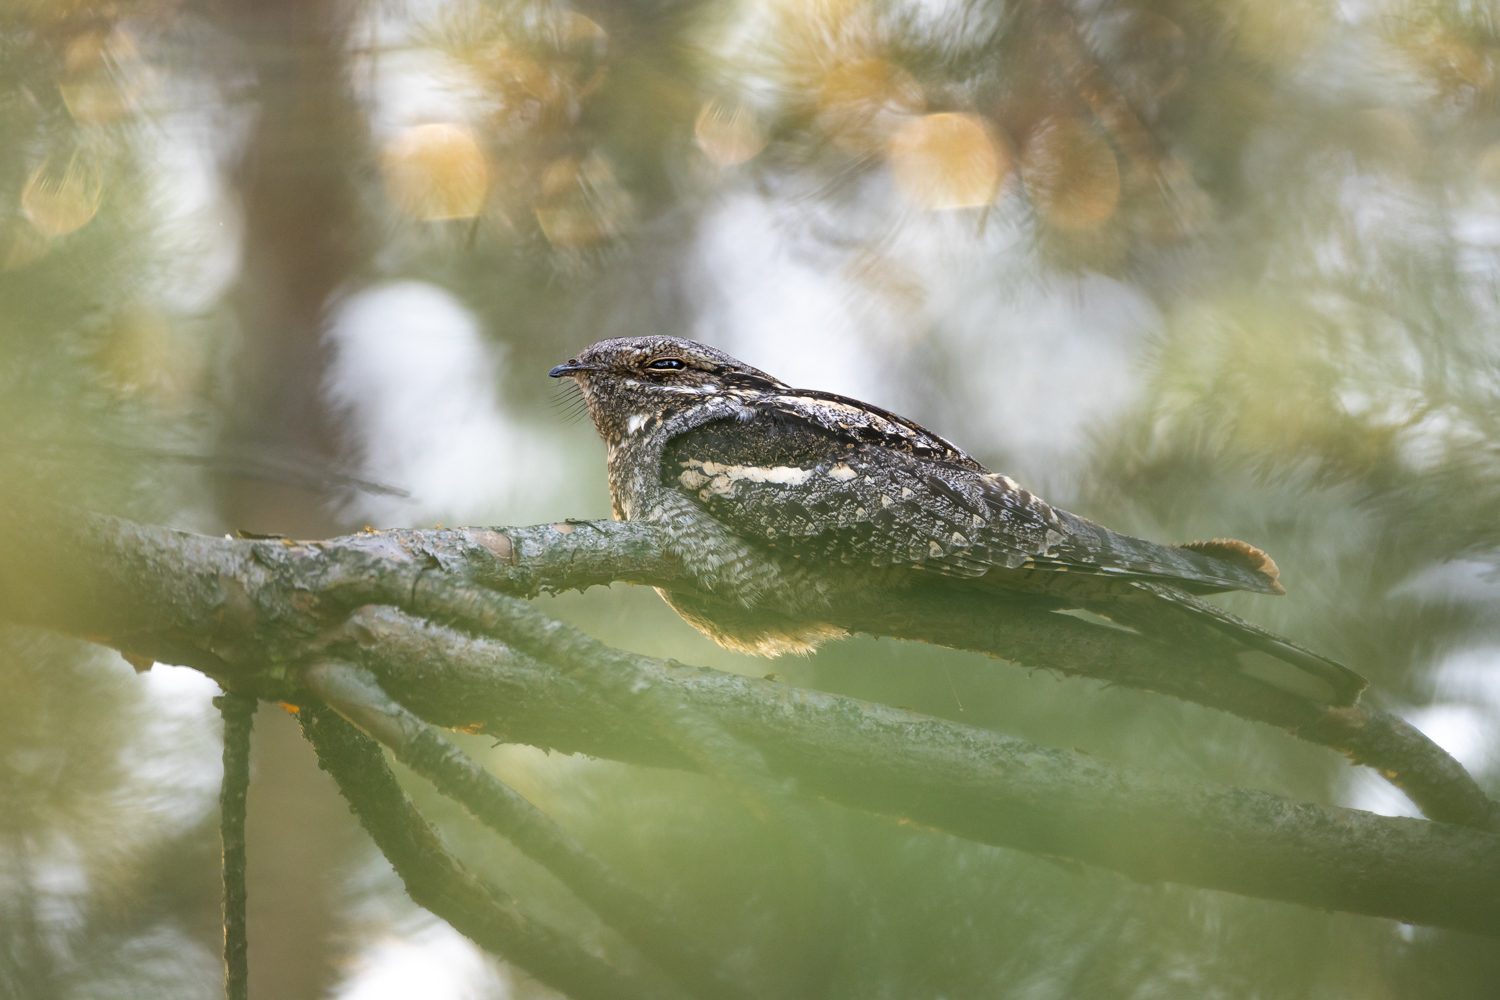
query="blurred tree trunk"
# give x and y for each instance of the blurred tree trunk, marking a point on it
(302, 242)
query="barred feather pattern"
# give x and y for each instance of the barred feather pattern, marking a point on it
(784, 500)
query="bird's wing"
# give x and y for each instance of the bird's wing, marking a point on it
(821, 477)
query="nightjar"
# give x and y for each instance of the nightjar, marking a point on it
(783, 502)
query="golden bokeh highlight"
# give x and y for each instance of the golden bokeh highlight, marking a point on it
(435, 172)
(862, 101)
(581, 203)
(948, 160)
(1164, 45)
(536, 75)
(62, 195)
(816, 34)
(1071, 174)
(728, 133)
(577, 33)
(103, 77)
(522, 87)
(1461, 70)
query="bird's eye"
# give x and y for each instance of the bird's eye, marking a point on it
(667, 364)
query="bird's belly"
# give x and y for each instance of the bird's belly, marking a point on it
(759, 630)
(748, 597)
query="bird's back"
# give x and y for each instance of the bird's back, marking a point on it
(785, 502)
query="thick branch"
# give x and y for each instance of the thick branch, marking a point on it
(230, 607)
(973, 783)
(526, 561)
(380, 567)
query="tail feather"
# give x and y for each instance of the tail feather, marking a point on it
(1170, 613)
(1242, 554)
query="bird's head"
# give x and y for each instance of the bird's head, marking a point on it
(633, 380)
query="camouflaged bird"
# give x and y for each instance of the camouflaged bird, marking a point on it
(781, 501)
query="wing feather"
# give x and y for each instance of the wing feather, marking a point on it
(1165, 611)
(819, 476)
(832, 483)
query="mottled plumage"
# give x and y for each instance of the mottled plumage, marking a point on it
(783, 500)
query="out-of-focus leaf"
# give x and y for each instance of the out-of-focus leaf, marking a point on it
(436, 172)
(949, 161)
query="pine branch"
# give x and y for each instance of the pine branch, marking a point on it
(437, 881)
(356, 696)
(252, 614)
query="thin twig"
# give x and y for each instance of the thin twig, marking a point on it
(353, 693)
(436, 880)
(238, 711)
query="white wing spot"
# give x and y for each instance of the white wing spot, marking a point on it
(782, 475)
(905, 492)
(841, 472)
(885, 501)
(934, 549)
(636, 422)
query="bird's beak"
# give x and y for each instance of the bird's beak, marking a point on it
(569, 367)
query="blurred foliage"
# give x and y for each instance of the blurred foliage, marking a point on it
(954, 207)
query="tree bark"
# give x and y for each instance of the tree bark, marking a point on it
(461, 654)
